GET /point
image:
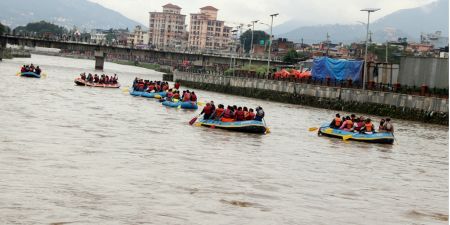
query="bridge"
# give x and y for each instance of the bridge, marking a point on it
(101, 52)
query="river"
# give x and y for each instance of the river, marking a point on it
(80, 155)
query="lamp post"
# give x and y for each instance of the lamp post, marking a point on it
(270, 43)
(252, 51)
(368, 10)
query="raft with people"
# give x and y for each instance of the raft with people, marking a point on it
(103, 81)
(30, 71)
(374, 137)
(358, 129)
(232, 118)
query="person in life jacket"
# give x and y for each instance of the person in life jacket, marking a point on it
(193, 97)
(218, 112)
(239, 114)
(177, 85)
(259, 113)
(228, 113)
(245, 109)
(337, 122)
(381, 126)
(207, 111)
(347, 125)
(213, 106)
(353, 117)
(187, 96)
(359, 123)
(251, 115)
(176, 95)
(368, 127)
(96, 78)
(388, 125)
(23, 69)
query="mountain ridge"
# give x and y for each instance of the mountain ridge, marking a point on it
(81, 13)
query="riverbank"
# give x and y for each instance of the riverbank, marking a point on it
(386, 104)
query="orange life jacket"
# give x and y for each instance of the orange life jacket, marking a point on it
(368, 127)
(219, 111)
(337, 122)
(349, 124)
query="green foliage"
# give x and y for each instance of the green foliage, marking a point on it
(4, 29)
(394, 53)
(291, 57)
(258, 35)
(41, 28)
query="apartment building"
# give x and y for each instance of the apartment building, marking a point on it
(167, 28)
(206, 32)
(138, 37)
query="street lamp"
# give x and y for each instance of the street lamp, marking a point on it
(368, 10)
(270, 44)
(252, 51)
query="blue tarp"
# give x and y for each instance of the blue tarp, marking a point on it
(338, 69)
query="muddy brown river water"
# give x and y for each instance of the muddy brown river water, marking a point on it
(80, 155)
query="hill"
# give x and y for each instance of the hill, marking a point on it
(67, 13)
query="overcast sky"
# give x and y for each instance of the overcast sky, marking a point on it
(307, 12)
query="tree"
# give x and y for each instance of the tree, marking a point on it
(291, 57)
(41, 28)
(258, 35)
(4, 29)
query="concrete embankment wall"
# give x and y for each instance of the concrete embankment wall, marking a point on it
(410, 107)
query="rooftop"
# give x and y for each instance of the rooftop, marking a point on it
(209, 8)
(172, 6)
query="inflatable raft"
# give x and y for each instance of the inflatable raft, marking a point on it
(183, 105)
(382, 138)
(81, 82)
(147, 94)
(30, 74)
(249, 126)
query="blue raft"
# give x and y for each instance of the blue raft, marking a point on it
(147, 94)
(30, 74)
(183, 105)
(248, 126)
(382, 137)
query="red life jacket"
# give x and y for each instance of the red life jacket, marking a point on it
(250, 116)
(207, 110)
(337, 122)
(193, 97)
(240, 115)
(186, 97)
(227, 114)
(177, 85)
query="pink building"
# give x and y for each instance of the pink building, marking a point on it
(167, 28)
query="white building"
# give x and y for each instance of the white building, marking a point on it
(97, 36)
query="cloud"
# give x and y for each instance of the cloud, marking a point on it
(305, 12)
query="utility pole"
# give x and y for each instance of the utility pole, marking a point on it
(270, 44)
(252, 51)
(367, 38)
(387, 47)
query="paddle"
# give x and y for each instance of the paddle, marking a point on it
(200, 103)
(265, 125)
(18, 73)
(313, 128)
(194, 119)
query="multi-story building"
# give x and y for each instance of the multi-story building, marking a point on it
(98, 36)
(167, 28)
(206, 32)
(138, 37)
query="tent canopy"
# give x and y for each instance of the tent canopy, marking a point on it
(338, 69)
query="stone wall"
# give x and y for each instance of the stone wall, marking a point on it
(411, 107)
